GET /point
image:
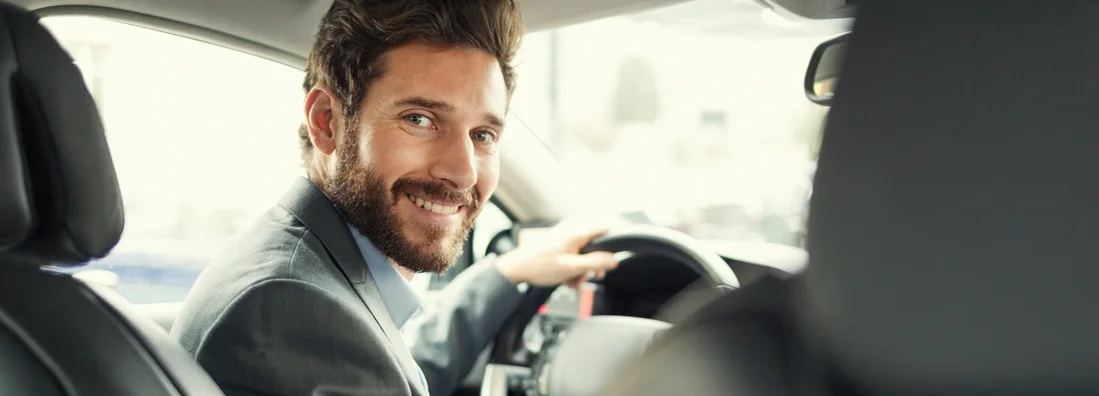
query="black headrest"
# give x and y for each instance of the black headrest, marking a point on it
(954, 235)
(59, 196)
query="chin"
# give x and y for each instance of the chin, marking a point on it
(417, 236)
(424, 233)
(439, 272)
(436, 248)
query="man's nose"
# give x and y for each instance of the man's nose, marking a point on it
(455, 162)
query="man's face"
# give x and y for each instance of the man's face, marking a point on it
(415, 168)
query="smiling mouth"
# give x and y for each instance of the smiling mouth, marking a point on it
(434, 207)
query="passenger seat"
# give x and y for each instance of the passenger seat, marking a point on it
(60, 206)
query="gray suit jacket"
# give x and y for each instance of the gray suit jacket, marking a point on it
(291, 309)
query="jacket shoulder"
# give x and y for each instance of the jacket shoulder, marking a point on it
(285, 336)
(274, 247)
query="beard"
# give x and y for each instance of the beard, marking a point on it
(360, 194)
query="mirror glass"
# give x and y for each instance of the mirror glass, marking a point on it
(824, 70)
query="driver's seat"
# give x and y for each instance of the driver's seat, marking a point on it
(60, 206)
(954, 227)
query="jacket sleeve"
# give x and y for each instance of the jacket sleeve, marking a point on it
(286, 337)
(458, 322)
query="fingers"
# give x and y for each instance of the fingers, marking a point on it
(580, 231)
(579, 281)
(585, 236)
(577, 239)
(581, 264)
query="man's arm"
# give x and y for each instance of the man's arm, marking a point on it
(287, 337)
(462, 319)
(458, 322)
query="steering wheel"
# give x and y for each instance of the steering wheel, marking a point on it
(591, 351)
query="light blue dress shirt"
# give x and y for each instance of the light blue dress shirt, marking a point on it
(400, 300)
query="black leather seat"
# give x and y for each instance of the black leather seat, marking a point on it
(953, 231)
(60, 205)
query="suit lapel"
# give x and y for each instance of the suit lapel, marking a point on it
(309, 204)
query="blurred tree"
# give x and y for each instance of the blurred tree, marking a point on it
(636, 95)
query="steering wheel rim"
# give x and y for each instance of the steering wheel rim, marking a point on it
(632, 240)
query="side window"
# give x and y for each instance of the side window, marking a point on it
(491, 221)
(203, 140)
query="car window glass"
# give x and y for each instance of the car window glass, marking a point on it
(202, 138)
(694, 114)
(490, 222)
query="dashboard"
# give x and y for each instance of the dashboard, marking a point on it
(566, 302)
(565, 306)
(647, 286)
(644, 287)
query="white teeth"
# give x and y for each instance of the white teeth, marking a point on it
(432, 206)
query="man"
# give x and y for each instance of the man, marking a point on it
(406, 104)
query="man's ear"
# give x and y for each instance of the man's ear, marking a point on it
(322, 116)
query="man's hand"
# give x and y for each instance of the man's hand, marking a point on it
(555, 259)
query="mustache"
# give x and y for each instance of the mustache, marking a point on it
(435, 190)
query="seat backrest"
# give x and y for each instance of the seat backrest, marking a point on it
(60, 206)
(952, 235)
(954, 224)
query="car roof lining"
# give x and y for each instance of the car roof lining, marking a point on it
(182, 29)
(280, 32)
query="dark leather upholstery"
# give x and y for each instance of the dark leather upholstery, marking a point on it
(61, 205)
(72, 186)
(15, 205)
(953, 227)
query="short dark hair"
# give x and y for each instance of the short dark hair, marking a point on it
(355, 34)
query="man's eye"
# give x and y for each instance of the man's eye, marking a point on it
(484, 136)
(419, 120)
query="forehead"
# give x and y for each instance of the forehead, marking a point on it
(468, 79)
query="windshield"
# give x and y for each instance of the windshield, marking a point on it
(694, 114)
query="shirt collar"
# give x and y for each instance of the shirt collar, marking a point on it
(402, 302)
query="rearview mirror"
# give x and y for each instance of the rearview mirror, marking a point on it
(824, 70)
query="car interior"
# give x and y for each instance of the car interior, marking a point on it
(948, 251)
(62, 206)
(946, 242)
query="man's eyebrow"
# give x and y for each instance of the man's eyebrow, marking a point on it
(494, 120)
(420, 101)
